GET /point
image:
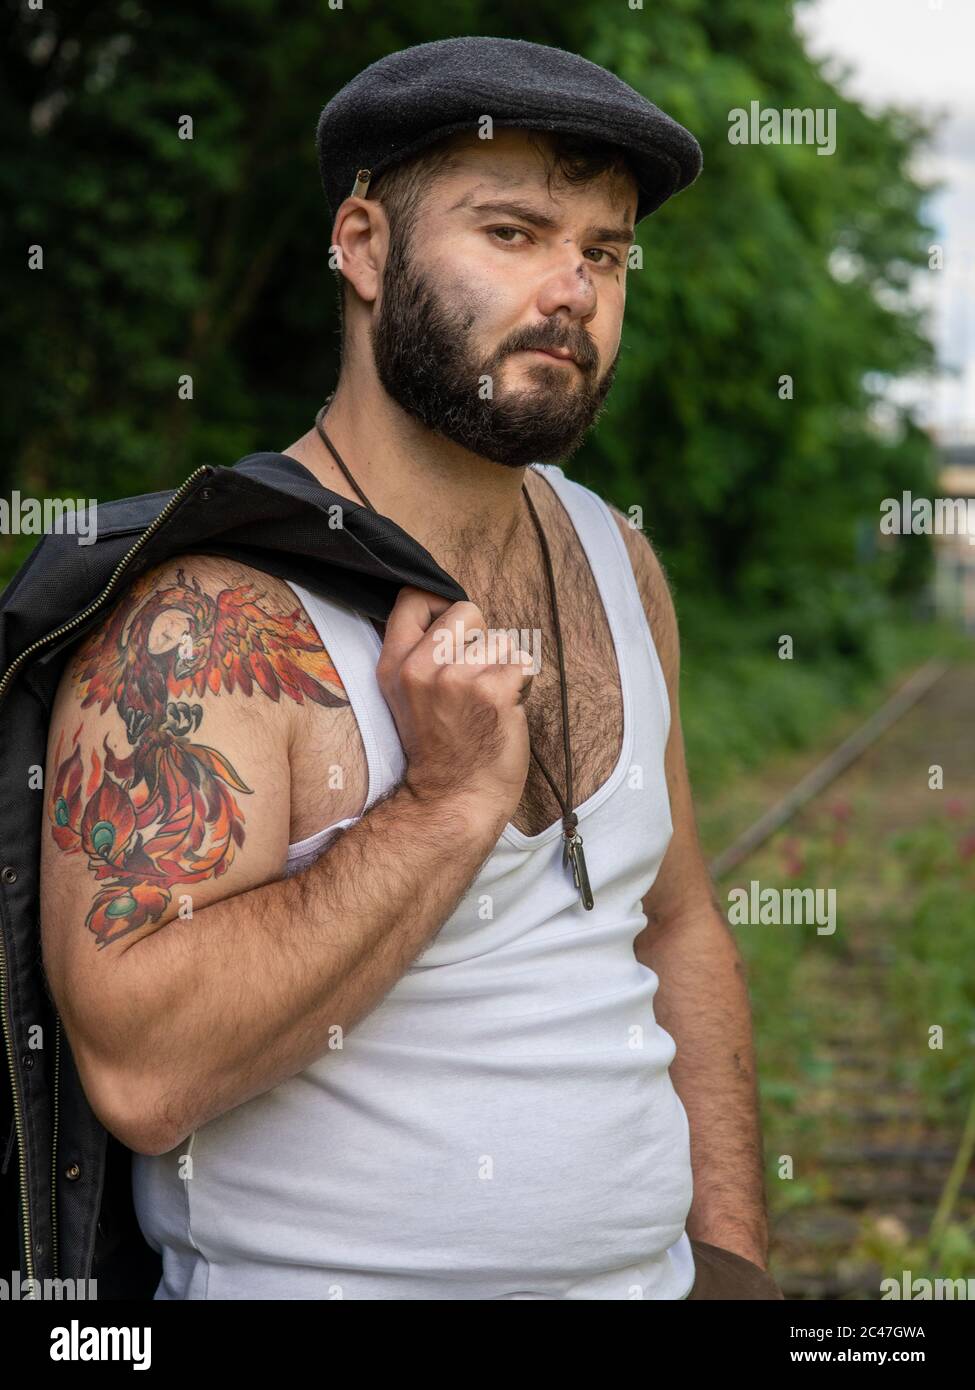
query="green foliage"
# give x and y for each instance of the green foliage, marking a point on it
(937, 861)
(777, 262)
(208, 257)
(740, 702)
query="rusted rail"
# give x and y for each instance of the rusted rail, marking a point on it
(913, 689)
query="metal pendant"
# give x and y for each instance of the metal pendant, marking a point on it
(572, 852)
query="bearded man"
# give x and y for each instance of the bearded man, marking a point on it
(454, 1014)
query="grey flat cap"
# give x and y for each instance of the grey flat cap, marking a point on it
(408, 100)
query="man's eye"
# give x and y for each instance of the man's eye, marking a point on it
(613, 258)
(496, 231)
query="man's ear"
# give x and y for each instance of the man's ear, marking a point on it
(360, 243)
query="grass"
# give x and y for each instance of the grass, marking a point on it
(742, 706)
(892, 989)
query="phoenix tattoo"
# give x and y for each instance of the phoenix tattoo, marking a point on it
(166, 813)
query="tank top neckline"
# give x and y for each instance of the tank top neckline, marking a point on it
(554, 475)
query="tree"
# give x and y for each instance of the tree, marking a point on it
(205, 258)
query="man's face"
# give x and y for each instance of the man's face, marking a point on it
(464, 310)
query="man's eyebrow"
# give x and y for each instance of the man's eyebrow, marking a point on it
(527, 213)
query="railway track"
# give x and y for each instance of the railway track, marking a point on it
(860, 1127)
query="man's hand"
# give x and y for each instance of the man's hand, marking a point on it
(461, 722)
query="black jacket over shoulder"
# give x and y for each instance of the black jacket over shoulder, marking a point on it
(67, 1200)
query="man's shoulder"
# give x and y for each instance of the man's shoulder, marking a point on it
(216, 572)
(654, 589)
(647, 568)
(210, 627)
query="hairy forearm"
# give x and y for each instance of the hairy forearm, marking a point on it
(253, 988)
(702, 1002)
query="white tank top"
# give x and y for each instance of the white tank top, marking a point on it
(503, 1124)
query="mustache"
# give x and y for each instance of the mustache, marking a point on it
(583, 350)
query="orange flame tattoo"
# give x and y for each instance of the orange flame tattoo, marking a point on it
(166, 813)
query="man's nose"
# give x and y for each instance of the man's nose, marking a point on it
(569, 286)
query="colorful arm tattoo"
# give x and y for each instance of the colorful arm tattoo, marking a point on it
(166, 813)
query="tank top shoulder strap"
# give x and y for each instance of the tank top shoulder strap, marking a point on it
(609, 560)
(353, 645)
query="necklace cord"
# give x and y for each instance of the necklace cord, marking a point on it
(567, 813)
(337, 456)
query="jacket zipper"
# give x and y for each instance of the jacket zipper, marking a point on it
(8, 675)
(54, 1148)
(18, 1116)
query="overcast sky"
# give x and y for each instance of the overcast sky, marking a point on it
(921, 53)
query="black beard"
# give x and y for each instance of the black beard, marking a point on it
(424, 360)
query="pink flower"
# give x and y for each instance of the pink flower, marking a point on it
(955, 807)
(966, 846)
(842, 809)
(792, 855)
